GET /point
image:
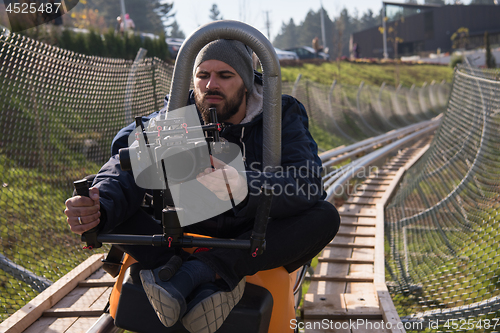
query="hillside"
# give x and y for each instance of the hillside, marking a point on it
(352, 74)
(371, 74)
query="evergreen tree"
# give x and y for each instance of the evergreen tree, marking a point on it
(132, 44)
(66, 39)
(175, 32)
(114, 44)
(95, 43)
(215, 13)
(311, 27)
(80, 44)
(435, 2)
(149, 45)
(348, 26)
(151, 16)
(288, 36)
(292, 35)
(482, 2)
(161, 48)
(164, 12)
(368, 20)
(490, 59)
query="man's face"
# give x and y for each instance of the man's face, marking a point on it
(216, 84)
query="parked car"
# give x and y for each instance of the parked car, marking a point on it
(286, 55)
(148, 35)
(306, 52)
(174, 44)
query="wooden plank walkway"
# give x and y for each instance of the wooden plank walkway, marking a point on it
(72, 304)
(349, 282)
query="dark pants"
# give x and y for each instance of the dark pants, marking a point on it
(291, 242)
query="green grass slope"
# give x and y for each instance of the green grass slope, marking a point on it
(371, 74)
(352, 74)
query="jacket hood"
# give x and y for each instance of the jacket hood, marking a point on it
(254, 104)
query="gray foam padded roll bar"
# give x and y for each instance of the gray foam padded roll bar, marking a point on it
(271, 71)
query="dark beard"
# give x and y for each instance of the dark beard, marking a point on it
(229, 109)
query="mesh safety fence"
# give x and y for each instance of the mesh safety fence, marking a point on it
(60, 111)
(442, 225)
(351, 113)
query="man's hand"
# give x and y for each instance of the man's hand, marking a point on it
(83, 213)
(224, 181)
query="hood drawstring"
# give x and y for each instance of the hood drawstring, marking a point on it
(244, 158)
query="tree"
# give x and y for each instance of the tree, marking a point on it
(175, 32)
(164, 11)
(150, 16)
(340, 26)
(86, 18)
(214, 13)
(460, 38)
(311, 27)
(490, 59)
(95, 43)
(114, 44)
(345, 26)
(368, 20)
(392, 36)
(288, 36)
(435, 2)
(483, 2)
(293, 35)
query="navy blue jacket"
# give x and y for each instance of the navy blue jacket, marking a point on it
(300, 174)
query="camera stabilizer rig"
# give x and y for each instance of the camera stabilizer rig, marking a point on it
(172, 142)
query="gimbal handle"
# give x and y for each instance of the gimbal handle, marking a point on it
(82, 189)
(258, 237)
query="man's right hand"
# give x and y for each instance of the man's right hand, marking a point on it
(83, 213)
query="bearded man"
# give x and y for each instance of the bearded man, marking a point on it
(302, 222)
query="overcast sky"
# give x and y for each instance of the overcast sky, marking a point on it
(193, 13)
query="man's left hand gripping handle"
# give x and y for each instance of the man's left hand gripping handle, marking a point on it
(82, 189)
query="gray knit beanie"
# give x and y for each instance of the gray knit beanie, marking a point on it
(232, 52)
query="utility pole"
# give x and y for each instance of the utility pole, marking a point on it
(384, 26)
(323, 38)
(243, 9)
(122, 3)
(268, 25)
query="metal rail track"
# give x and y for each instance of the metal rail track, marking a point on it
(349, 282)
(368, 153)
